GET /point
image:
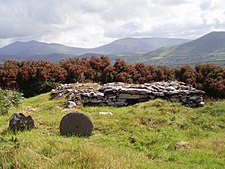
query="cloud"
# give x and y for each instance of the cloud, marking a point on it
(169, 2)
(85, 23)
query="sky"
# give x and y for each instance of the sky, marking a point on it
(91, 23)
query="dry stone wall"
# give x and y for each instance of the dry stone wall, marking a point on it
(120, 94)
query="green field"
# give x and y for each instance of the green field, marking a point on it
(154, 134)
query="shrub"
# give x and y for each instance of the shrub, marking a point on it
(211, 79)
(8, 99)
(142, 73)
(31, 77)
(123, 71)
(186, 74)
(77, 69)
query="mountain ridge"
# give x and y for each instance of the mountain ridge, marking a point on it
(207, 48)
(32, 49)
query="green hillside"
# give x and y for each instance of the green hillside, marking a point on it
(208, 48)
(154, 134)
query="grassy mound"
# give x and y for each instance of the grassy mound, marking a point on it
(154, 134)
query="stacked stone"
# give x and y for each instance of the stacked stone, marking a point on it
(177, 92)
(92, 98)
(120, 94)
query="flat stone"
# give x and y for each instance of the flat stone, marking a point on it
(105, 113)
(94, 100)
(194, 97)
(131, 96)
(175, 92)
(170, 88)
(112, 97)
(198, 92)
(120, 103)
(158, 94)
(134, 91)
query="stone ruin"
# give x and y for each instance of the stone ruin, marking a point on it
(120, 94)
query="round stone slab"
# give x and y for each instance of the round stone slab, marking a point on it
(76, 124)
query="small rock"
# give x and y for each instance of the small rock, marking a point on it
(105, 113)
(201, 103)
(53, 91)
(71, 104)
(60, 95)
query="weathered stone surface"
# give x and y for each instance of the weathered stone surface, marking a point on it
(134, 91)
(76, 124)
(19, 122)
(131, 96)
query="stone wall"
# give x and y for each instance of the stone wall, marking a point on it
(120, 94)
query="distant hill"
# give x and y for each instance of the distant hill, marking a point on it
(136, 45)
(37, 50)
(208, 48)
(34, 50)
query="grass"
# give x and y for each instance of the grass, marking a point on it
(145, 135)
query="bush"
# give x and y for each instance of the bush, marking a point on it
(186, 74)
(8, 99)
(211, 79)
(31, 77)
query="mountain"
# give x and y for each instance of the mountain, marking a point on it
(34, 50)
(27, 50)
(208, 48)
(136, 45)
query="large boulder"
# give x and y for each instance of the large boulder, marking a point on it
(76, 124)
(19, 122)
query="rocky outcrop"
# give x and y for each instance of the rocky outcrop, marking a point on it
(120, 94)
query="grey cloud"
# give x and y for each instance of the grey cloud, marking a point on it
(24, 18)
(124, 10)
(173, 30)
(94, 22)
(125, 30)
